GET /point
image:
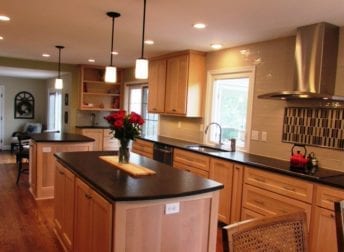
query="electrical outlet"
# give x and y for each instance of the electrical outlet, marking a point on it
(172, 208)
(255, 135)
(264, 136)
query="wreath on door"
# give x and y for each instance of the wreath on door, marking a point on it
(24, 105)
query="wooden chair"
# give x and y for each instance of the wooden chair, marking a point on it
(23, 152)
(339, 214)
(287, 232)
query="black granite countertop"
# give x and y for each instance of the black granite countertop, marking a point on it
(320, 175)
(60, 137)
(116, 185)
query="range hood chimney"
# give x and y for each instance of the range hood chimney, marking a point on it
(316, 62)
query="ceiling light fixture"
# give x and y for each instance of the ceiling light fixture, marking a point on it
(45, 55)
(58, 80)
(91, 60)
(4, 18)
(199, 26)
(216, 46)
(141, 66)
(149, 42)
(111, 71)
(1, 37)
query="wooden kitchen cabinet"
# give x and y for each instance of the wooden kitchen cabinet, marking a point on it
(96, 134)
(142, 147)
(192, 162)
(157, 78)
(64, 205)
(323, 231)
(109, 142)
(95, 93)
(93, 220)
(222, 172)
(183, 83)
(270, 194)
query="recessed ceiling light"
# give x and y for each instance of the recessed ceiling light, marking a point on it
(199, 25)
(4, 18)
(114, 53)
(149, 42)
(216, 46)
(45, 55)
(1, 37)
(91, 60)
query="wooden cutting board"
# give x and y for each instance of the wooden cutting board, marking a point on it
(133, 169)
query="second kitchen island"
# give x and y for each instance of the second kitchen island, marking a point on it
(101, 208)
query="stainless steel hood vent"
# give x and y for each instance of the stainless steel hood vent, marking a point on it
(316, 62)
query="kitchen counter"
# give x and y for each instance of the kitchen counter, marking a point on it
(92, 127)
(116, 185)
(321, 175)
(60, 137)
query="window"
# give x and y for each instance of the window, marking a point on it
(138, 102)
(54, 111)
(230, 106)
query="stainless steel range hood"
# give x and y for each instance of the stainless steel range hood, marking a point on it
(316, 62)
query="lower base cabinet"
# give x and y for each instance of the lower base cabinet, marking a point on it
(93, 220)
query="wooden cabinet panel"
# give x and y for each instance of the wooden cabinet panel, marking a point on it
(180, 166)
(247, 214)
(238, 177)
(326, 196)
(142, 147)
(64, 205)
(176, 84)
(96, 134)
(93, 220)
(222, 172)
(284, 185)
(268, 203)
(191, 159)
(97, 95)
(323, 232)
(157, 79)
(109, 142)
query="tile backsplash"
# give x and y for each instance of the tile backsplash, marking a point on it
(322, 127)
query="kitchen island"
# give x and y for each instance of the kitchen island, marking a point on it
(170, 210)
(42, 161)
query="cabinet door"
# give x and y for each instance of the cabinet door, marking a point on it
(222, 172)
(82, 226)
(97, 135)
(323, 233)
(58, 197)
(176, 85)
(156, 85)
(143, 148)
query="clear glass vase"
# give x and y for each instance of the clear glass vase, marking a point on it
(123, 153)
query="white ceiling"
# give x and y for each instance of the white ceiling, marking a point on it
(84, 29)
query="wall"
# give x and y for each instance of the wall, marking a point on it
(13, 86)
(274, 62)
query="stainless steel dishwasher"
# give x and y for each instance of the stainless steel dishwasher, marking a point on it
(163, 153)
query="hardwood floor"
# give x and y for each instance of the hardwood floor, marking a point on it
(25, 224)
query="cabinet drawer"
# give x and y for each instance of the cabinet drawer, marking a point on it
(143, 148)
(247, 214)
(269, 203)
(294, 188)
(326, 196)
(184, 167)
(191, 159)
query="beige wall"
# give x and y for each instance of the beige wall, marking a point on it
(274, 72)
(13, 86)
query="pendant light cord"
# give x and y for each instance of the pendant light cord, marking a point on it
(143, 28)
(112, 35)
(59, 66)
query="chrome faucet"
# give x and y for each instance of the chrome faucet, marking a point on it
(206, 130)
(93, 119)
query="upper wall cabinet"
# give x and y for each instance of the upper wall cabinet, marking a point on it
(176, 82)
(95, 94)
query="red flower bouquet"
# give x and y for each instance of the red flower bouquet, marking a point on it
(125, 127)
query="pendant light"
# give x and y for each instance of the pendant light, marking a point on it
(58, 80)
(111, 71)
(141, 66)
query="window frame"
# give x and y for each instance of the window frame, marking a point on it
(212, 75)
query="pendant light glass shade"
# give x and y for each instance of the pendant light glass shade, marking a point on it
(141, 69)
(58, 80)
(110, 74)
(141, 66)
(111, 71)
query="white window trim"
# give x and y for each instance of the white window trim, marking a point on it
(211, 75)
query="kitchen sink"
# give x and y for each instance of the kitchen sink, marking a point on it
(204, 148)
